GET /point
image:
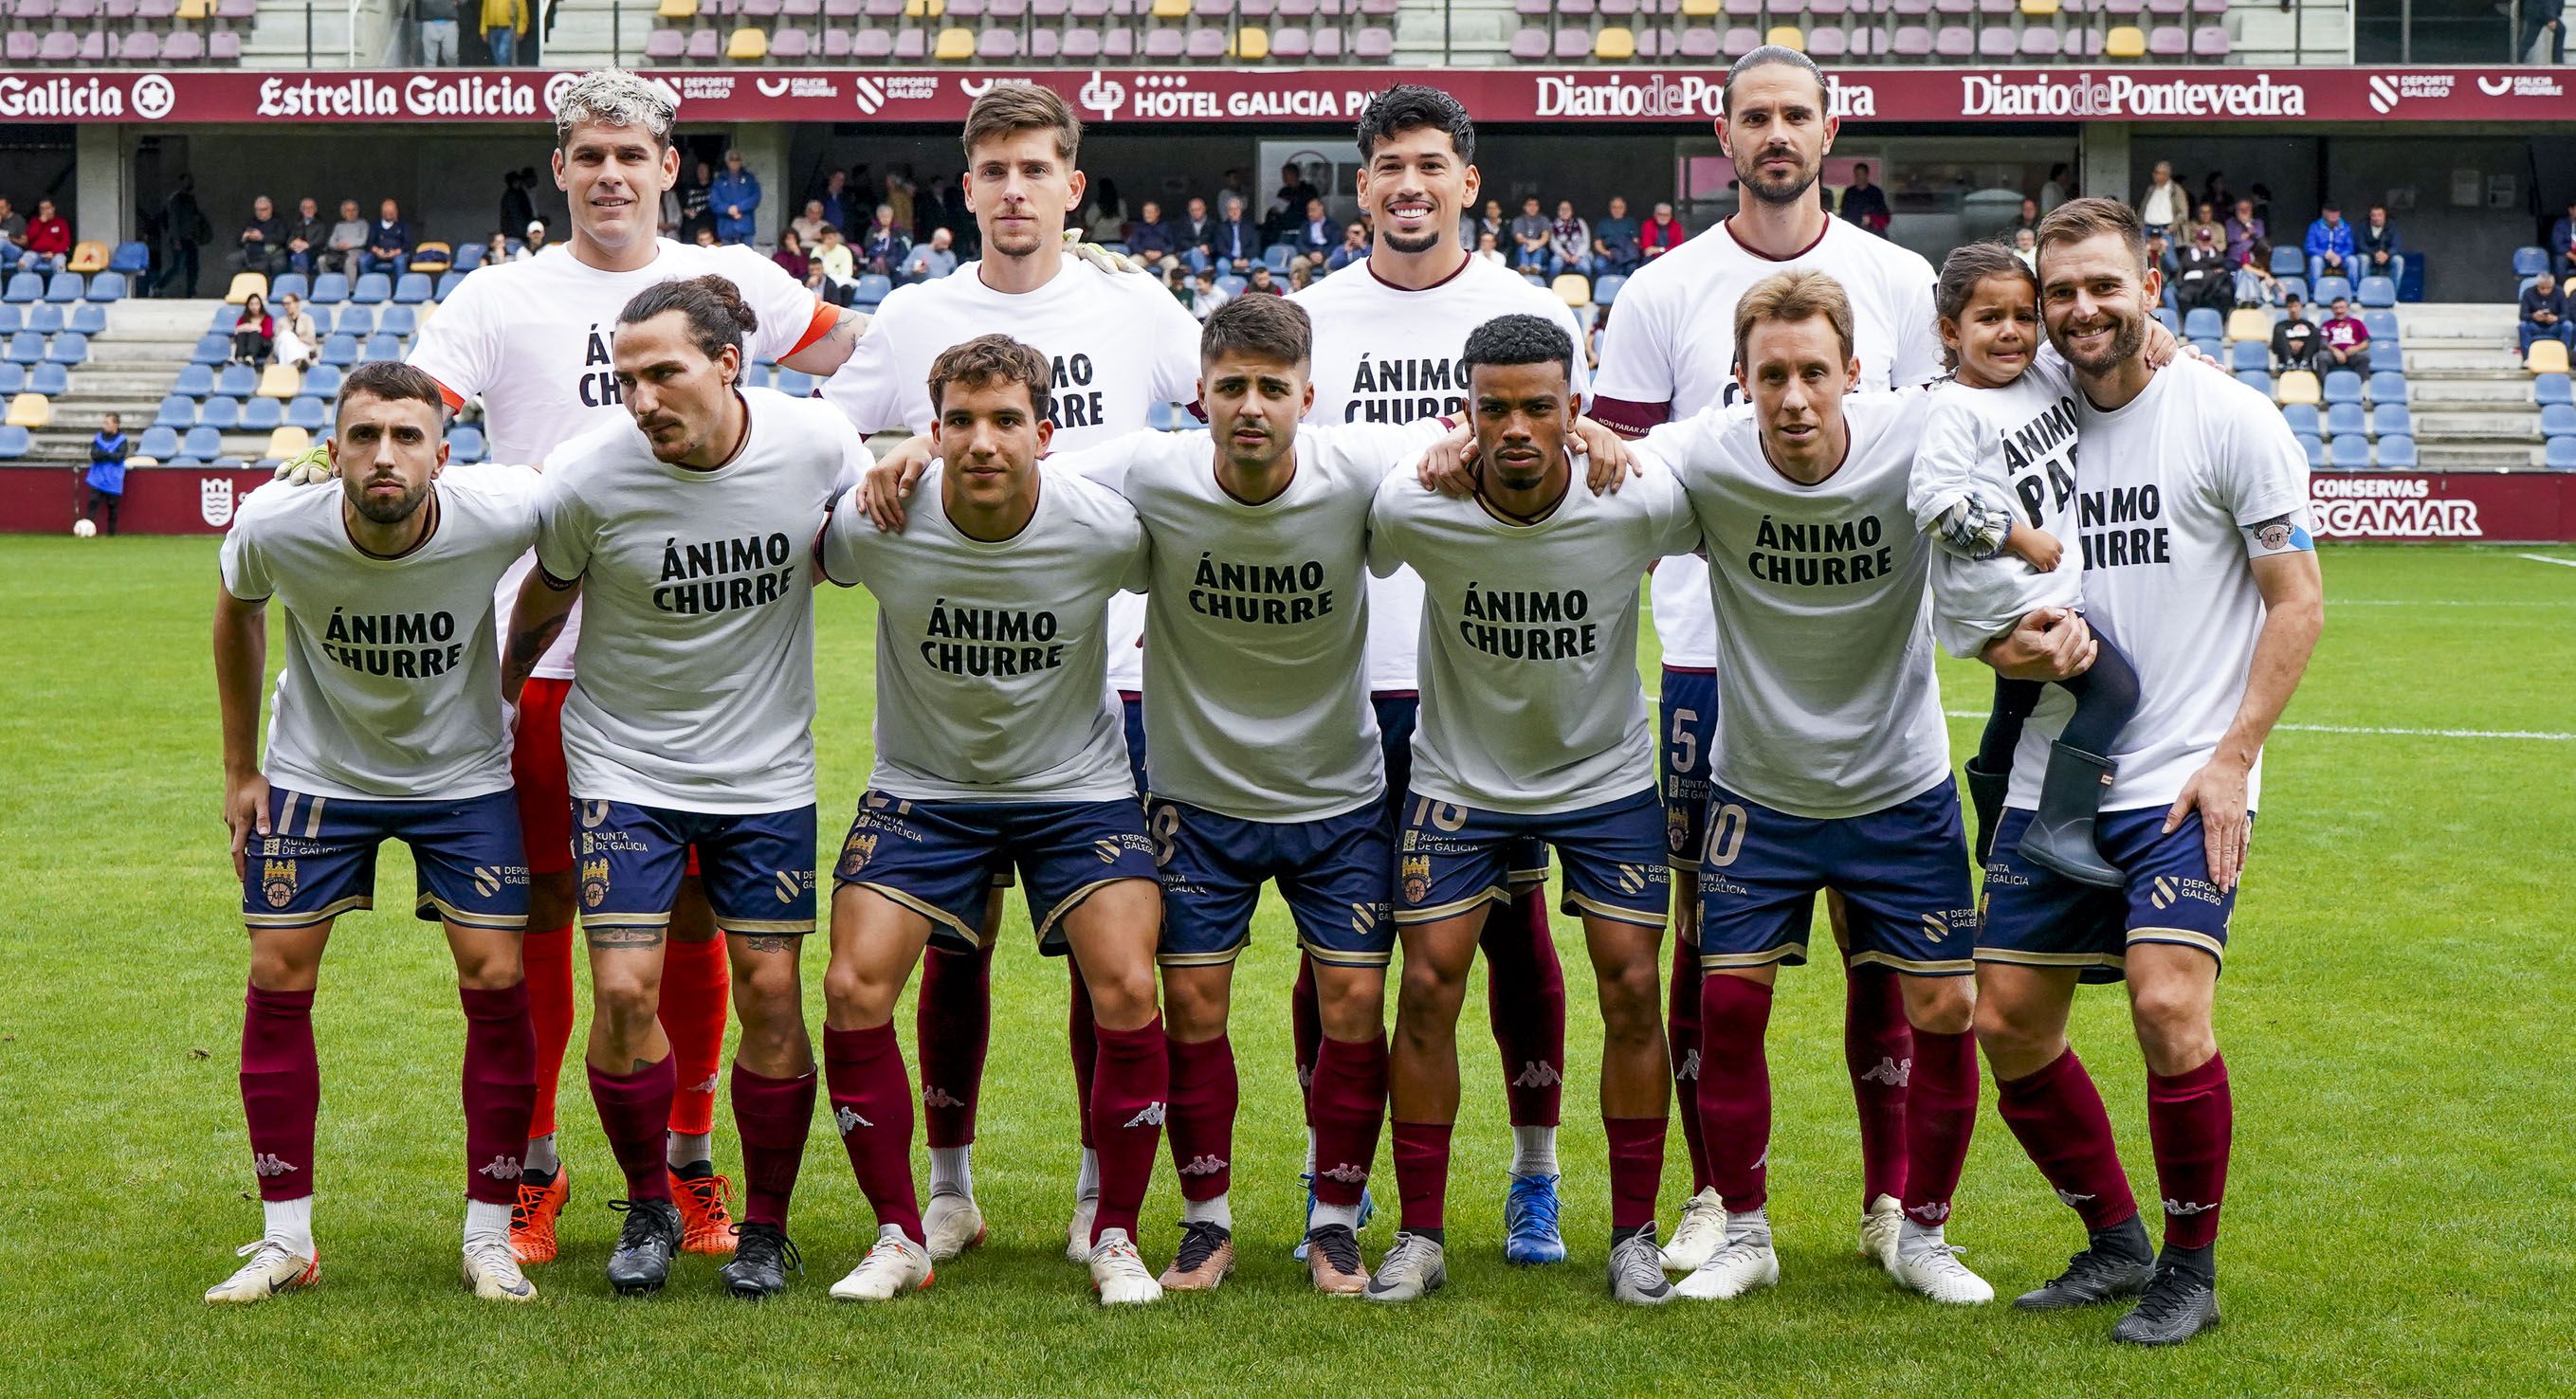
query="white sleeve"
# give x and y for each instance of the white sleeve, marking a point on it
(1956, 460)
(1918, 337)
(564, 536)
(786, 310)
(2261, 470)
(840, 546)
(1176, 351)
(1384, 555)
(1581, 366)
(1634, 366)
(1139, 574)
(245, 572)
(458, 346)
(1669, 508)
(1379, 449)
(1105, 464)
(866, 387)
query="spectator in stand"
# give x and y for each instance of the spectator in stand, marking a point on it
(1108, 213)
(505, 22)
(1569, 242)
(13, 225)
(2261, 194)
(2205, 279)
(2295, 341)
(496, 249)
(518, 206)
(2541, 17)
(2205, 216)
(899, 192)
(2243, 231)
(1295, 193)
(1486, 249)
(1530, 235)
(297, 340)
(306, 236)
(2329, 245)
(1262, 281)
(106, 475)
(436, 21)
(735, 197)
(2214, 191)
(1206, 296)
(1614, 241)
(1238, 239)
(791, 255)
(1865, 203)
(2376, 244)
(1354, 248)
(837, 207)
(2160, 255)
(261, 247)
(2544, 314)
(1316, 233)
(388, 242)
(2026, 247)
(1301, 275)
(1493, 222)
(2347, 340)
(886, 244)
(840, 266)
(707, 238)
(2164, 205)
(808, 226)
(534, 242)
(1662, 233)
(183, 223)
(2255, 284)
(1197, 232)
(254, 333)
(697, 210)
(932, 260)
(49, 237)
(2059, 188)
(348, 238)
(2562, 242)
(2026, 217)
(1150, 239)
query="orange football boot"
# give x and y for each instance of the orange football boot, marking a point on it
(532, 1219)
(706, 1215)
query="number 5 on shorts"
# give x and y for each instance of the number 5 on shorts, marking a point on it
(1685, 740)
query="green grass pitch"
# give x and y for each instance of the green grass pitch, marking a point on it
(2394, 1015)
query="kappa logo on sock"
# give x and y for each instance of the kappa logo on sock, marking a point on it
(849, 1119)
(1151, 1116)
(2187, 1207)
(708, 1087)
(1763, 1160)
(1895, 1073)
(1537, 1073)
(934, 1096)
(1346, 1173)
(1929, 1214)
(1305, 1075)
(1202, 1164)
(266, 1163)
(2072, 1200)
(501, 1168)
(1690, 1065)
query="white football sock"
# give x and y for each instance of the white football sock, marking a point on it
(1086, 1182)
(485, 1220)
(1534, 1151)
(541, 1156)
(289, 1222)
(1219, 1212)
(1310, 1153)
(1748, 1224)
(1347, 1216)
(690, 1148)
(952, 1170)
(1913, 1238)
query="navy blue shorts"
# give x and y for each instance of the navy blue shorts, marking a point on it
(1452, 858)
(319, 860)
(1134, 707)
(940, 858)
(1397, 714)
(1332, 871)
(2038, 919)
(1902, 871)
(757, 867)
(1689, 721)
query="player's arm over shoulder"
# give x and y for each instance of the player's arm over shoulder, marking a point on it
(1399, 496)
(460, 346)
(797, 328)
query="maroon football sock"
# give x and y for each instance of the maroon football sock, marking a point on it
(1306, 1024)
(1204, 1093)
(1422, 1173)
(1525, 997)
(1940, 1115)
(1636, 1168)
(872, 1110)
(1735, 1088)
(635, 1112)
(2191, 1118)
(1878, 1048)
(281, 1089)
(1128, 1103)
(773, 1116)
(1682, 1035)
(2057, 1113)
(1350, 1106)
(1082, 1042)
(952, 1022)
(500, 1089)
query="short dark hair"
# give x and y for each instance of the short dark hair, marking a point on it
(2079, 219)
(1411, 106)
(712, 305)
(1519, 339)
(1011, 108)
(1764, 57)
(1967, 267)
(993, 359)
(1264, 327)
(392, 381)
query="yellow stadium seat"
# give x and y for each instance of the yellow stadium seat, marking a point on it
(1574, 289)
(678, 9)
(747, 43)
(924, 9)
(2039, 9)
(1787, 36)
(1171, 9)
(2248, 323)
(2125, 41)
(1701, 9)
(288, 442)
(244, 283)
(280, 381)
(956, 44)
(2298, 386)
(1251, 42)
(1614, 43)
(432, 257)
(30, 410)
(88, 257)
(2546, 357)
(195, 9)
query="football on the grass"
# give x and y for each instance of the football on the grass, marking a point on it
(83, 529)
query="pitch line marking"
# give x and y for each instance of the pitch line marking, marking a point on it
(2548, 558)
(2378, 731)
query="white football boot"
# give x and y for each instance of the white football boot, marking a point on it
(1746, 1263)
(1077, 1234)
(952, 1224)
(1119, 1273)
(894, 1266)
(1701, 1232)
(1878, 1229)
(1931, 1266)
(1414, 1269)
(272, 1269)
(492, 1270)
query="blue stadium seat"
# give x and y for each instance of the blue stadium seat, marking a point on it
(448, 282)
(2397, 452)
(2346, 420)
(2349, 453)
(89, 318)
(2558, 420)
(2249, 354)
(330, 289)
(359, 321)
(64, 288)
(24, 287)
(2289, 261)
(2381, 323)
(220, 414)
(262, 415)
(466, 258)
(195, 380)
(26, 347)
(2553, 388)
(44, 318)
(1231, 284)
(13, 378)
(323, 382)
(227, 316)
(178, 410)
(285, 282)
(2328, 288)
(399, 320)
(2559, 454)
(2215, 349)
(795, 383)
(413, 289)
(872, 289)
(130, 258)
(159, 443)
(1275, 257)
(107, 286)
(203, 443)
(14, 441)
(2165, 317)
(382, 346)
(2389, 386)
(755, 375)
(1606, 291)
(51, 380)
(2387, 354)
(373, 289)
(2376, 292)
(2342, 386)
(2297, 284)
(2204, 324)
(12, 320)
(465, 443)
(2302, 417)
(2316, 449)
(322, 318)
(2391, 420)
(340, 351)
(308, 413)
(2530, 262)
(237, 381)
(2259, 380)
(211, 350)
(70, 349)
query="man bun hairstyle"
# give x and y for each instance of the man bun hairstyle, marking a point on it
(1968, 266)
(392, 381)
(989, 360)
(1410, 107)
(712, 305)
(1767, 55)
(1262, 327)
(1518, 339)
(616, 97)
(1007, 109)
(2079, 219)
(1792, 297)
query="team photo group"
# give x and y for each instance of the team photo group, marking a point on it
(1369, 636)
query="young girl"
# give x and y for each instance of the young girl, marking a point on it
(1994, 485)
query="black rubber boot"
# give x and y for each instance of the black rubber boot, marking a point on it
(2060, 838)
(1986, 803)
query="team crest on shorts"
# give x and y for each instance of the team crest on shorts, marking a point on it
(861, 848)
(277, 882)
(1676, 830)
(792, 884)
(1935, 926)
(1416, 873)
(1107, 850)
(594, 882)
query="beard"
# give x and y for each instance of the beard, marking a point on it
(1778, 193)
(2128, 338)
(1431, 238)
(395, 511)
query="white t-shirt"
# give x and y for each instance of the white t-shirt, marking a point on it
(2013, 449)
(2170, 482)
(694, 688)
(1387, 355)
(1669, 351)
(530, 338)
(1826, 703)
(392, 686)
(1530, 699)
(990, 656)
(1120, 344)
(1257, 619)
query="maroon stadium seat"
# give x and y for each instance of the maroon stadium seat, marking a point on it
(1699, 43)
(1954, 7)
(1572, 44)
(1119, 42)
(790, 43)
(705, 44)
(800, 9)
(236, 9)
(1328, 42)
(872, 43)
(1578, 8)
(2169, 8)
(1081, 44)
(2167, 41)
(185, 46)
(2209, 7)
(836, 43)
(1212, 9)
(77, 9)
(1006, 9)
(2004, 8)
(1291, 43)
(21, 46)
(757, 9)
(843, 9)
(33, 9)
(1744, 9)
(1995, 41)
(996, 44)
(58, 46)
(1045, 44)
(1207, 43)
(884, 9)
(2039, 43)
(1827, 43)
(142, 46)
(911, 43)
(965, 9)
(1953, 41)
(1614, 9)
(1912, 43)
(2209, 41)
(1373, 42)
(1742, 39)
(665, 44)
(93, 46)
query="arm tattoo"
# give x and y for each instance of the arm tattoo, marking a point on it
(527, 647)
